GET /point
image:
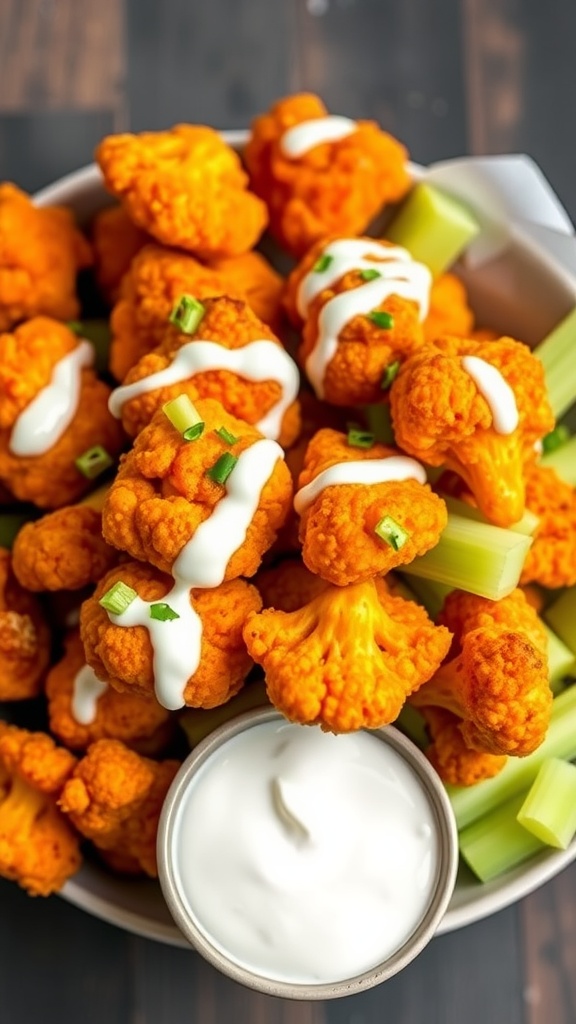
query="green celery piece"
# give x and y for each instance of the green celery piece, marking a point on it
(411, 723)
(434, 227)
(98, 333)
(497, 843)
(549, 810)
(198, 723)
(477, 557)
(379, 422)
(429, 593)
(561, 660)
(11, 523)
(472, 802)
(527, 525)
(561, 617)
(563, 461)
(556, 352)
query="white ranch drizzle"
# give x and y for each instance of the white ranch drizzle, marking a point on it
(257, 361)
(87, 689)
(496, 391)
(41, 424)
(399, 275)
(368, 471)
(202, 563)
(304, 136)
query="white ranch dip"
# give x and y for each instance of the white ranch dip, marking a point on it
(304, 136)
(303, 856)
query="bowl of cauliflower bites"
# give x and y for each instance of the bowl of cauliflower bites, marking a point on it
(269, 437)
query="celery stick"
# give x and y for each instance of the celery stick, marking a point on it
(563, 461)
(411, 723)
(561, 617)
(429, 593)
(497, 843)
(477, 557)
(561, 660)
(379, 422)
(527, 525)
(98, 333)
(549, 810)
(434, 227)
(556, 352)
(200, 722)
(470, 802)
(11, 523)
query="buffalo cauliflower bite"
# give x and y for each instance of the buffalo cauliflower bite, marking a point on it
(335, 186)
(123, 656)
(455, 762)
(162, 492)
(231, 324)
(38, 848)
(349, 658)
(338, 527)
(64, 550)
(141, 723)
(551, 560)
(186, 187)
(496, 680)
(115, 241)
(41, 251)
(156, 280)
(24, 638)
(288, 585)
(114, 798)
(28, 358)
(449, 311)
(441, 417)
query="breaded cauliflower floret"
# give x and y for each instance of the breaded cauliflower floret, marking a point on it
(38, 848)
(115, 240)
(441, 417)
(497, 679)
(41, 251)
(162, 492)
(338, 527)
(123, 656)
(64, 550)
(551, 560)
(140, 722)
(28, 358)
(114, 798)
(333, 187)
(156, 280)
(455, 762)
(348, 659)
(288, 585)
(231, 324)
(449, 311)
(24, 638)
(186, 187)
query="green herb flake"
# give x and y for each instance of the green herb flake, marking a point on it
(221, 469)
(187, 314)
(389, 375)
(322, 264)
(555, 439)
(162, 612)
(360, 438)
(382, 319)
(391, 532)
(370, 275)
(118, 598)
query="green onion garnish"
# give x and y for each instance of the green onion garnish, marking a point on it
(182, 414)
(187, 314)
(93, 462)
(555, 439)
(322, 264)
(221, 469)
(382, 319)
(390, 531)
(193, 433)
(389, 375)
(370, 275)
(226, 436)
(163, 612)
(360, 438)
(118, 598)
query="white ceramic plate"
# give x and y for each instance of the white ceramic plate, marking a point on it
(523, 294)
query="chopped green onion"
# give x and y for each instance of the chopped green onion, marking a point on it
(496, 842)
(221, 469)
(561, 660)
(93, 462)
(187, 314)
(391, 532)
(182, 414)
(11, 523)
(389, 375)
(382, 319)
(162, 612)
(561, 617)
(360, 438)
(379, 422)
(118, 598)
(193, 433)
(549, 810)
(370, 275)
(434, 227)
(226, 436)
(471, 802)
(563, 461)
(322, 264)
(98, 333)
(556, 352)
(477, 557)
(200, 722)
(555, 439)
(527, 525)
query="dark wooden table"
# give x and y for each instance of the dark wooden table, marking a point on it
(448, 77)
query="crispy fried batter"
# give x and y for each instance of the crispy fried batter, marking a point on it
(24, 638)
(64, 550)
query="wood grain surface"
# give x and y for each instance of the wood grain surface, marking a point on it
(455, 76)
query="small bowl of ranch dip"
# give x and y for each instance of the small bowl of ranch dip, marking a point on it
(305, 864)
